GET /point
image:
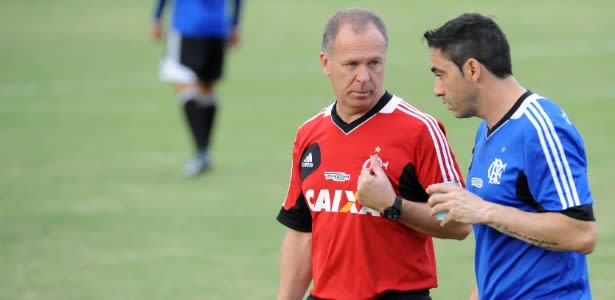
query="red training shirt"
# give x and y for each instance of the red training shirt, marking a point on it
(357, 253)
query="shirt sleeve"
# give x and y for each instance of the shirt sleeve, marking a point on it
(236, 12)
(555, 159)
(159, 9)
(295, 213)
(435, 161)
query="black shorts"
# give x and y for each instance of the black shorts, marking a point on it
(204, 56)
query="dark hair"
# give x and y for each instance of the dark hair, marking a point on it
(472, 35)
(357, 17)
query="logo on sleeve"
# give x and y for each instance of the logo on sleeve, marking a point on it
(307, 161)
(495, 171)
(565, 116)
(310, 160)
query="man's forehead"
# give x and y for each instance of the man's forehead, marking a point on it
(350, 31)
(359, 49)
(438, 61)
(435, 54)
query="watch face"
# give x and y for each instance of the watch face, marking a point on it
(391, 213)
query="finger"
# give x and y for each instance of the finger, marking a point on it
(365, 173)
(436, 188)
(431, 188)
(449, 218)
(360, 180)
(432, 201)
(445, 221)
(436, 208)
(376, 167)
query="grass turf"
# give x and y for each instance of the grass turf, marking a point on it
(93, 205)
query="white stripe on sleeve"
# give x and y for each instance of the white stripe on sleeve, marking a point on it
(443, 152)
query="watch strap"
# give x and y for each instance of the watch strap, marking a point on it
(397, 202)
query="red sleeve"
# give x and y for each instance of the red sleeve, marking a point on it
(435, 158)
(294, 212)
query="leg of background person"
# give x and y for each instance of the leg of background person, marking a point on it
(193, 100)
(207, 104)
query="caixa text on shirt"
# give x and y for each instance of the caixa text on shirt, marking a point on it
(337, 201)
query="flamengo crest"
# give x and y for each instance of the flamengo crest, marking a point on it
(495, 171)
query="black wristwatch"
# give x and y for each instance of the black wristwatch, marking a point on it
(393, 212)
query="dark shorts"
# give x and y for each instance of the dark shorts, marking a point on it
(204, 56)
(396, 295)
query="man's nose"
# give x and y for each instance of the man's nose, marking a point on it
(362, 74)
(438, 90)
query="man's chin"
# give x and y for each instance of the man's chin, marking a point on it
(460, 115)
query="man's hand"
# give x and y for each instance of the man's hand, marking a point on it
(156, 30)
(462, 205)
(234, 38)
(374, 189)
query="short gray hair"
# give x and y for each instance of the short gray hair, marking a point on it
(359, 18)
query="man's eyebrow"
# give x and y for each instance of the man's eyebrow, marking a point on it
(437, 70)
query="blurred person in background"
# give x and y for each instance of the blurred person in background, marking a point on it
(347, 247)
(200, 33)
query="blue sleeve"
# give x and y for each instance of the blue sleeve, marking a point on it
(555, 159)
(236, 12)
(159, 9)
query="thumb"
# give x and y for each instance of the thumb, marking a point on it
(376, 166)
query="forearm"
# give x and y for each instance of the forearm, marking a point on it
(553, 231)
(295, 265)
(375, 191)
(416, 215)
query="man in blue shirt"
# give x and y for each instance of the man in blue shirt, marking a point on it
(201, 31)
(527, 192)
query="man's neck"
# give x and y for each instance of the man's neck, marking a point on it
(499, 98)
(351, 114)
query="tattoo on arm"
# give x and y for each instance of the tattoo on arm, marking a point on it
(549, 245)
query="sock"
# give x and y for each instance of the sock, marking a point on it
(194, 119)
(207, 113)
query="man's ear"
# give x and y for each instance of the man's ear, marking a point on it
(324, 63)
(472, 69)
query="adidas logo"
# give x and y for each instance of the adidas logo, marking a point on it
(307, 161)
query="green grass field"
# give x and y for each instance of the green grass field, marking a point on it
(92, 145)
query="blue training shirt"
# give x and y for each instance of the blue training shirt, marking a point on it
(202, 18)
(535, 161)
